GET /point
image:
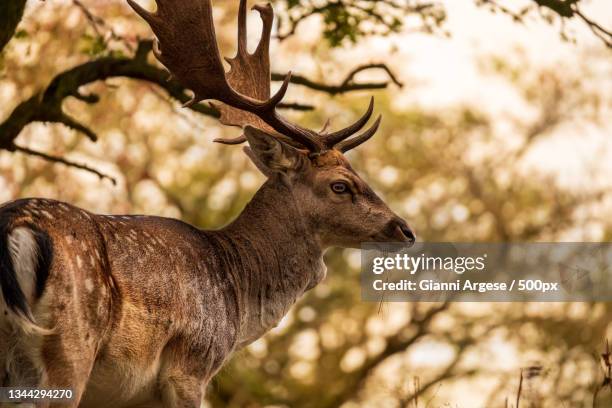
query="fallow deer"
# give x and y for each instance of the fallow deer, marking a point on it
(143, 311)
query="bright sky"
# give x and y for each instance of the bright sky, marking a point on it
(449, 73)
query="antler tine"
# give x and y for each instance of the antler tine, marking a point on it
(242, 139)
(146, 15)
(334, 138)
(267, 17)
(349, 144)
(229, 141)
(280, 94)
(325, 127)
(242, 28)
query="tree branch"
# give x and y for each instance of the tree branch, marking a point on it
(395, 344)
(57, 159)
(46, 106)
(565, 9)
(352, 20)
(347, 84)
(295, 106)
(599, 31)
(384, 67)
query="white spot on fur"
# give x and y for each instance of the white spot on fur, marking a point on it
(79, 261)
(89, 285)
(98, 254)
(47, 214)
(92, 261)
(24, 255)
(69, 239)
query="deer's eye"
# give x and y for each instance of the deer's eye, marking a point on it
(339, 187)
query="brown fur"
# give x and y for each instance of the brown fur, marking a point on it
(145, 310)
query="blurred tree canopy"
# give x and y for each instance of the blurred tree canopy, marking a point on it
(458, 173)
(352, 20)
(344, 21)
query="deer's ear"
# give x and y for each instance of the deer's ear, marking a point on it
(272, 156)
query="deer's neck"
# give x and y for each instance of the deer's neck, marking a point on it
(276, 259)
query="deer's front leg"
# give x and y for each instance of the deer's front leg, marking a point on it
(180, 390)
(183, 377)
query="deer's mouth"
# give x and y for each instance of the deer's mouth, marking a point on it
(396, 231)
(404, 234)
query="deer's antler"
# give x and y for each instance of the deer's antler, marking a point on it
(187, 45)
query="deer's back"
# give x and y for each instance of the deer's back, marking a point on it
(128, 288)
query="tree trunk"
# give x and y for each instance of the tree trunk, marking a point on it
(11, 12)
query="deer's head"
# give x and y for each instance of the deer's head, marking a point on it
(333, 199)
(336, 202)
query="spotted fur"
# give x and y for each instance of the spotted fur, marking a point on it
(140, 311)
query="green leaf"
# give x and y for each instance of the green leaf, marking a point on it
(92, 46)
(21, 34)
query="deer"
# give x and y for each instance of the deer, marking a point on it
(143, 311)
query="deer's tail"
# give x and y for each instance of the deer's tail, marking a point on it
(25, 259)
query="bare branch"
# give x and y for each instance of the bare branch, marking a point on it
(517, 16)
(295, 106)
(351, 75)
(564, 9)
(79, 127)
(47, 105)
(294, 22)
(61, 160)
(603, 34)
(98, 24)
(395, 344)
(347, 84)
(94, 21)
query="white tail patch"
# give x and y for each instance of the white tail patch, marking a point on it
(23, 250)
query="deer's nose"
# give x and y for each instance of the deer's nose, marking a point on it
(403, 231)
